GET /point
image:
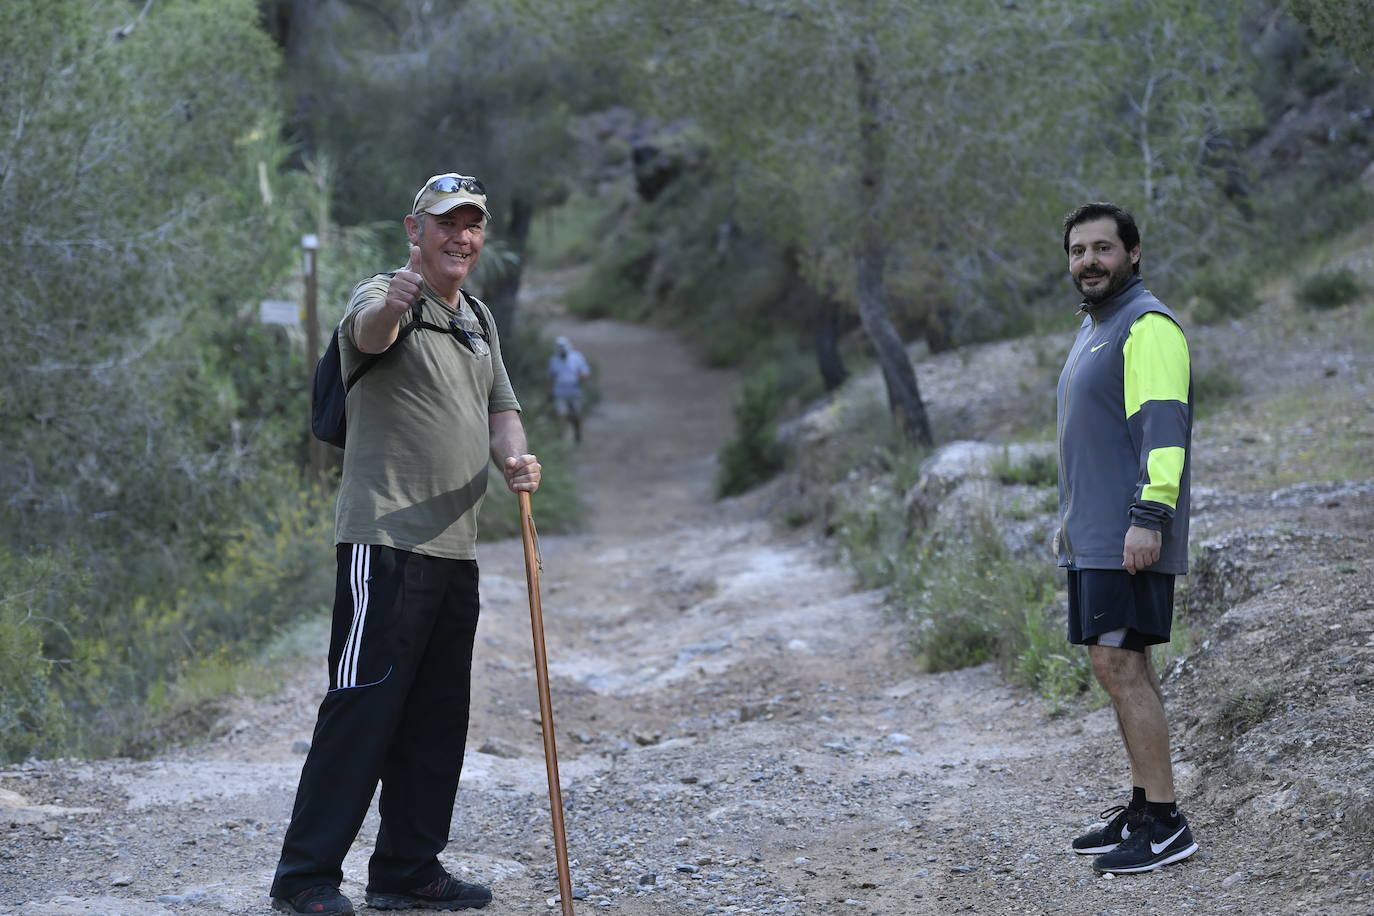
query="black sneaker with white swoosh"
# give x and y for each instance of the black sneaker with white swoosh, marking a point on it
(1152, 843)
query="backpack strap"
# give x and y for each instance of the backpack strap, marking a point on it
(374, 358)
(416, 322)
(479, 308)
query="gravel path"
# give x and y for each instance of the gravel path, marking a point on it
(740, 732)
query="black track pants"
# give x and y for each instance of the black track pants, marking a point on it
(400, 665)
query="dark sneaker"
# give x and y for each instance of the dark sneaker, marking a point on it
(446, 893)
(1106, 838)
(1152, 843)
(323, 900)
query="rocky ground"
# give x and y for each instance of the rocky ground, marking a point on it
(742, 732)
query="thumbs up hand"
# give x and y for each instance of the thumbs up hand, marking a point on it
(405, 285)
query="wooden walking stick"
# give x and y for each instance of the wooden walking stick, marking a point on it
(541, 672)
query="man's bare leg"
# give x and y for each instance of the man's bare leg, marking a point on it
(1138, 701)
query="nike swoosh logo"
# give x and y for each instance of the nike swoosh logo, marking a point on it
(1099, 346)
(1125, 832)
(1157, 848)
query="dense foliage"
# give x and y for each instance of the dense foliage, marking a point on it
(768, 177)
(157, 524)
(143, 468)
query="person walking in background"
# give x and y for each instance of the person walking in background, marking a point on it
(1125, 406)
(568, 369)
(423, 424)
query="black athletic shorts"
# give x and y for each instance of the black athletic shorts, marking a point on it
(1103, 601)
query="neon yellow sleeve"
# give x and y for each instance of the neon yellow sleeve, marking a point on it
(1156, 362)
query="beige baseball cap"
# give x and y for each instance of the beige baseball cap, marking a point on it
(442, 193)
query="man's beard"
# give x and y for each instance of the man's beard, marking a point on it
(1116, 280)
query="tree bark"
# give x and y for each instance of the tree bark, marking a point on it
(501, 294)
(870, 262)
(828, 359)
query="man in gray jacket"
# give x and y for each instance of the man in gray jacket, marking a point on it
(1125, 422)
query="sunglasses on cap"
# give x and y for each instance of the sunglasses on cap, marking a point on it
(453, 184)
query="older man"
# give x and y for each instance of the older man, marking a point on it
(1125, 421)
(423, 424)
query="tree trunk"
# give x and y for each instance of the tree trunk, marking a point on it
(501, 294)
(828, 359)
(870, 262)
(825, 312)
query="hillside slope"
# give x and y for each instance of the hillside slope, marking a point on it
(742, 731)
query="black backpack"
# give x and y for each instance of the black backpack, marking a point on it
(329, 390)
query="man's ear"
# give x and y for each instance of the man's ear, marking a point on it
(1135, 255)
(413, 228)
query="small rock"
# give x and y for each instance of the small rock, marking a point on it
(648, 880)
(751, 711)
(121, 881)
(1233, 879)
(193, 897)
(500, 749)
(681, 841)
(300, 747)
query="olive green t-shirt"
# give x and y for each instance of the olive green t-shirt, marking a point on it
(415, 466)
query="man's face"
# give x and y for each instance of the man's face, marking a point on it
(1099, 263)
(449, 244)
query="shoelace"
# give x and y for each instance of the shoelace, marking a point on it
(440, 888)
(312, 894)
(1110, 814)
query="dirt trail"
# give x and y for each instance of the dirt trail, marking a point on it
(740, 732)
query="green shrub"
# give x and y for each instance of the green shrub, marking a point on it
(971, 598)
(753, 456)
(607, 293)
(1214, 385)
(1223, 293)
(32, 590)
(1036, 470)
(1328, 290)
(1048, 663)
(873, 543)
(571, 232)
(1245, 707)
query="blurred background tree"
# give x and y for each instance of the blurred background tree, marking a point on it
(389, 90)
(1344, 23)
(925, 151)
(800, 188)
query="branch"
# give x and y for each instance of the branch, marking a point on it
(124, 32)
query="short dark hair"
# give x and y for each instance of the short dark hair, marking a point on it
(1125, 224)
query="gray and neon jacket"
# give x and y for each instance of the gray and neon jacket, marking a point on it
(1125, 424)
